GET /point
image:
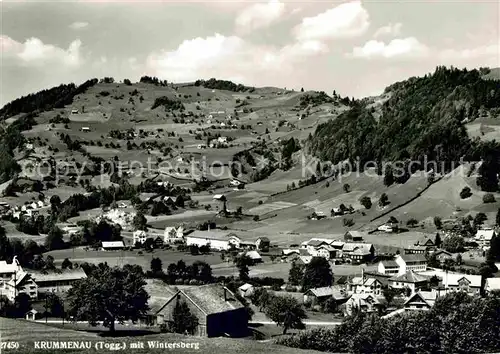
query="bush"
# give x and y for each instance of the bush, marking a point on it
(366, 202)
(489, 198)
(465, 193)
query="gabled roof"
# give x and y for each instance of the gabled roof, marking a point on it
(485, 234)
(409, 277)
(390, 264)
(245, 287)
(426, 297)
(112, 244)
(253, 255)
(212, 235)
(351, 246)
(209, 298)
(67, 274)
(453, 279)
(316, 242)
(335, 292)
(413, 258)
(437, 253)
(354, 233)
(424, 241)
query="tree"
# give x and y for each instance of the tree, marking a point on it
(493, 254)
(242, 263)
(497, 218)
(458, 259)
(488, 174)
(296, 274)
(54, 240)
(465, 193)
(412, 222)
(53, 305)
(454, 244)
(286, 311)
(317, 274)
(140, 222)
(156, 265)
(183, 320)
(384, 199)
(66, 264)
(109, 295)
(302, 89)
(489, 198)
(347, 188)
(260, 298)
(388, 176)
(437, 240)
(438, 223)
(366, 202)
(479, 219)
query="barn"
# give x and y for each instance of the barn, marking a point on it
(217, 309)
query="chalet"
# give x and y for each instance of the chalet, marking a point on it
(415, 249)
(304, 260)
(217, 309)
(426, 242)
(362, 303)
(415, 262)
(325, 251)
(215, 239)
(263, 244)
(421, 300)
(388, 267)
(354, 236)
(254, 256)
(442, 256)
(358, 252)
(470, 284)
(492, 284)
(112, 245)
(21, 283)
(158, 242)
(366, 285)
(57, 282)
(483, 237)
(410, 280)
(139, 236)
(318, 296)
(173, 235)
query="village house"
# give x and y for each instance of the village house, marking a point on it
(362, 303)
(483, 237)
(354, 236)
(8, 270)
(112, 245)
(442, 256)
(246, 290)
(451, 281)
(139, 237)
(20, 283)
(358, 252)
(254, 256)
(421, 300)
(388, 267)
(410, 280)
(215, 239)
(415, 262)
(217, 309)
(173, 235)
(415, 249)
(426, 242)
(57, 282)
(365, 285)
(263, 244)
(318, 296)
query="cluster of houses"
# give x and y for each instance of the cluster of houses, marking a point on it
(28, 209)
(14, 280)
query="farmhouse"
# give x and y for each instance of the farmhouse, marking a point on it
(442, 256)
(362, 303)
(112, 245)
(318, 296)
(173, 235)
(263, 244)
(483, 237)
(421, 300)
(215, 239)
(218, 311)
(21, 283)
(139, 236)
(358, 252)
(57, 282)
(254, 256)
(425, 241)
(354, 236)
(410, 280)
(415, 262)
(388, 267)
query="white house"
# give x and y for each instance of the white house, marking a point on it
(21, 283)
(140, 236)
(173, 235)
(85, 129)
(7, 270)
(492, 284)
(415, 262)
(366, 285)
(57, 282)
(388, 267)
(410, 280)
(215, 239)
(112, 245)
(483, 236)
(471, 284)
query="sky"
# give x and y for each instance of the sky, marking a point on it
(356, 48)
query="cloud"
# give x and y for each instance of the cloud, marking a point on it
(33, 52)
(397, 48)
(259, 15)
(343, 21)
(491, 50)
(393, 30)
(229, 57)
(78, 25)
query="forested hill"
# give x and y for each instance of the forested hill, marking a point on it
(422, 116)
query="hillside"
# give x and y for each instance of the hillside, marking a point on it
(417, 116)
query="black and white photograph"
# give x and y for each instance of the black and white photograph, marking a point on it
(250, 176)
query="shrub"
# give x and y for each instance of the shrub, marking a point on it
(465, 193)
(489, 198)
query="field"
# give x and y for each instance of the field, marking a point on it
(26, 333)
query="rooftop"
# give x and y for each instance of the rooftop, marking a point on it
(210, 298)
(211, 234)
(410, 277)
(67, 274)
(413, 258)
